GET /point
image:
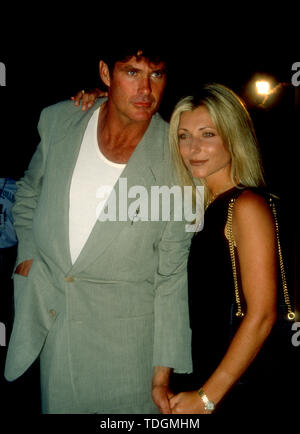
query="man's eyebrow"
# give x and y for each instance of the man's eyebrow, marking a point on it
(129, 66)
(162, 70)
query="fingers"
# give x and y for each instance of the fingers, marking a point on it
(174, 405)
(174, 401)
(175, 410)
(24, 267)
(87, 98)
(170, 394)
(164, 406)
(77, 98)
(160, 398)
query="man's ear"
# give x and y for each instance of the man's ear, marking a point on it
(104, 73)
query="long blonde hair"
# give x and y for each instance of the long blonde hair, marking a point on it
(235, 127)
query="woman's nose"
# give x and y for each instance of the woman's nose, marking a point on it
(195, 144)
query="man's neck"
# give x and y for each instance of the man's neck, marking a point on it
(117, 137)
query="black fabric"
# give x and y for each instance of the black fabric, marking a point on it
(213, 321)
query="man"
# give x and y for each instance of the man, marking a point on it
(102, 303)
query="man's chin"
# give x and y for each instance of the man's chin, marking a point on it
(144, 113)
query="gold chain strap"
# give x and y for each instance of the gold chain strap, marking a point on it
(290, 314)
(240, 313)
(232, 256)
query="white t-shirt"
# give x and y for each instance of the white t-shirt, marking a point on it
(92, 171)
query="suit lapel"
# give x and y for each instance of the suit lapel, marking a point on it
(68, 148)
(140, 171)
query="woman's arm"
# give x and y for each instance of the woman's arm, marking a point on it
(255, 237)
(87, 98)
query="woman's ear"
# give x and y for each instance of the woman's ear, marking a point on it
(104, 73)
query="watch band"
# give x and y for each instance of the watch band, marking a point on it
(208, 405)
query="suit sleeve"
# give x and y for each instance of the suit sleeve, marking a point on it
(172, 335)
(27, 195)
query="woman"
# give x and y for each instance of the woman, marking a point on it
(213, 141)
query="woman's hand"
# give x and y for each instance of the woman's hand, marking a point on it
(87, 98)
(188, 403)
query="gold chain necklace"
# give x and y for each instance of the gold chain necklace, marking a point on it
(217, 194)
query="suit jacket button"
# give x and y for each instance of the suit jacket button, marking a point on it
(52, 313)
(69, 279)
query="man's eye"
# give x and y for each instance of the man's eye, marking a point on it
(157, 74)
(132, 72)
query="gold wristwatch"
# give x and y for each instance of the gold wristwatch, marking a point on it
(208, 405)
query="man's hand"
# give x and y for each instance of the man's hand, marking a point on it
(161, 393)
(87, 98)
(24, 267)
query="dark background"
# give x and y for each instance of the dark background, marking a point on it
(37, 78)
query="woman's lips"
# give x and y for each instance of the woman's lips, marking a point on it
(197, 162)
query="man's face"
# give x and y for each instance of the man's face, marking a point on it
(136, 89)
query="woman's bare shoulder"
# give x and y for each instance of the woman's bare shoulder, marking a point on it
(251, 201)
(252, 208)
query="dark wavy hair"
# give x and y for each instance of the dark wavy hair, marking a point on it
(155, 53)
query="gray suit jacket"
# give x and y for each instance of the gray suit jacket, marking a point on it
(124, 300)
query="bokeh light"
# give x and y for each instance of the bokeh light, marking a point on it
(262, 87)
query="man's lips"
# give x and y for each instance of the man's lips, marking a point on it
(143, 103)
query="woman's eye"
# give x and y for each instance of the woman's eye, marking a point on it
(182, 136)
(208, 134)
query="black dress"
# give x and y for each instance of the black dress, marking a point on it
(211, 295)
(213, 322)
(212, 306)
(211, 290)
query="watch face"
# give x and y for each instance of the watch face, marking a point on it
(210, 406)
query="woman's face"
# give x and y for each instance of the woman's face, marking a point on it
(201, 147)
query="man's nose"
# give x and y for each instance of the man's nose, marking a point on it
(145, 86)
